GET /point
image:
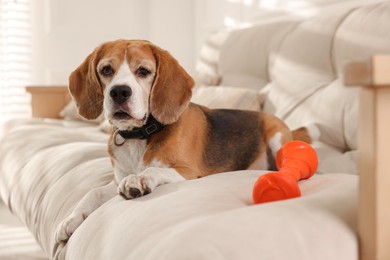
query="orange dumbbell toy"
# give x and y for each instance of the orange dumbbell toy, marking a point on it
(295, 161)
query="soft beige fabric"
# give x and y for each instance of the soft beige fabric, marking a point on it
(227, 97)
(302, 72)
(364, 32)
(297, 63)
(207, 66)
(308, 87)
(244, 57)
(48, 166)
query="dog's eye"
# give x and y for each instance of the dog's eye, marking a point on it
(107, 71)
(143, 72)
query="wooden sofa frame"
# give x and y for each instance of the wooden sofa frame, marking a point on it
(373, 160)
(373, 139)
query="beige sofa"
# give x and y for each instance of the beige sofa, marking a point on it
(297, 68)
(291, 67)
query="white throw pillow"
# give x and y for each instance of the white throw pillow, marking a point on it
(227, 97)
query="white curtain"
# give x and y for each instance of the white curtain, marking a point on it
(15, 58)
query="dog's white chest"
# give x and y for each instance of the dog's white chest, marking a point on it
(129, 158)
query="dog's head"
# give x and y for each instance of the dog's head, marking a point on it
(131, 80)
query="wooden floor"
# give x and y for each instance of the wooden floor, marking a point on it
(16, 241)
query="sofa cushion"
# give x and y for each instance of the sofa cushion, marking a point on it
(365, 32)
(206, 70)
(227, 97)
(305, 78)
(297, 62)
(244, 57)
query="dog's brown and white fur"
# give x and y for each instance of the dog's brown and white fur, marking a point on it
(131, 80)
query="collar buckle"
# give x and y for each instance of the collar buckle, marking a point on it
(151, 127)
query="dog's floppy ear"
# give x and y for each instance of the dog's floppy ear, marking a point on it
(172, 89)
(86, 89)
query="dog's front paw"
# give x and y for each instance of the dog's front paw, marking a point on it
(68, 226)
(134, 186)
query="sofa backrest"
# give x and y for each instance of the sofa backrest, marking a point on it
(298, 65)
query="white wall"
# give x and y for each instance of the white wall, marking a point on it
(172, 28)
(66, 31)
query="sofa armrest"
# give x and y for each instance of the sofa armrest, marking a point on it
(373, 162)
(48, 101)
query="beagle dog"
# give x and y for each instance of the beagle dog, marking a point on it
(159, 136)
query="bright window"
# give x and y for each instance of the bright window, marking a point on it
(15, 58)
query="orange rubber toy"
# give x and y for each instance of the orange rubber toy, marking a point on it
(295, 161)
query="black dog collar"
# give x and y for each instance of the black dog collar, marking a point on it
(151, 127)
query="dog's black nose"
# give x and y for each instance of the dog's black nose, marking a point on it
(120, 93)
